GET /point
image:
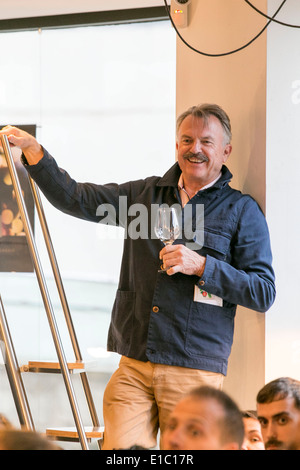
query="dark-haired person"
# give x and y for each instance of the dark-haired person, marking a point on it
(173, 329)
(278, 410)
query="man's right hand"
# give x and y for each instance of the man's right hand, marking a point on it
(26, 142)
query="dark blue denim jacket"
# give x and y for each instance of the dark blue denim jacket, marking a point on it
(155, 316)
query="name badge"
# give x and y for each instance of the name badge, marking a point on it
(204, 297)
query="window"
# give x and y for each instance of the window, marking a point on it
(103, 100)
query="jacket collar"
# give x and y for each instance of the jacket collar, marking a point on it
(171, 177)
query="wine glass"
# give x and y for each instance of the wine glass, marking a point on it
(167, 227)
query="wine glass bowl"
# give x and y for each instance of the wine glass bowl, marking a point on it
(167, 227)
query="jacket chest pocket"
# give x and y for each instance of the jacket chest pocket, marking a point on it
(216, 245)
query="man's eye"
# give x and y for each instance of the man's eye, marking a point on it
(263, 423)
(283, 420)
(171, 426)
(194, 431)
(255, 439)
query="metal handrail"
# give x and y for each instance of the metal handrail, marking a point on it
(63, 299)
(44, 292)
(13, 373)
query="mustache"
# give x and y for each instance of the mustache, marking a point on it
(199, 156)
(273, 442)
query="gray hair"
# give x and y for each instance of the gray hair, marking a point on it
(204, 111)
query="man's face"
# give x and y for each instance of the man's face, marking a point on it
(201, 150)
(194, 424)
(279, 421)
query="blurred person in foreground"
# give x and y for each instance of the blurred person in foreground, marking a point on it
(18, 439)
(206, 419)
(278, 411)
(253, 437)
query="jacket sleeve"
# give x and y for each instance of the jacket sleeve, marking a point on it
(248, 280)
(88, 201)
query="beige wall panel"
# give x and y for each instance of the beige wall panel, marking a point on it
(238, 83)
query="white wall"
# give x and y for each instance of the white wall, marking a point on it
(283, 192)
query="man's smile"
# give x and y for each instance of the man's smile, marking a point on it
(196, 158)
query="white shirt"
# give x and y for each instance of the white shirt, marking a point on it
(185, 197)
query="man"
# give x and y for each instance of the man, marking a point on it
(174, 329)
(253, 439)
(278, 410)
(206, 419)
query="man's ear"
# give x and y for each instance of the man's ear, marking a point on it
(227, 152)
(176, 154)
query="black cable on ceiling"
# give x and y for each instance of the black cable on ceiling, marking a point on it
(272, 19)
(207, 54)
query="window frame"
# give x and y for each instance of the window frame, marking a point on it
(129, 15)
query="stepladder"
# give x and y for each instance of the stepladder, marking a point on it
(79, 432)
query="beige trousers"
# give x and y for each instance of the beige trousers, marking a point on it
(139, 397)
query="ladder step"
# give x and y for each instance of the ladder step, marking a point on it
(71, 434)
(51, 367)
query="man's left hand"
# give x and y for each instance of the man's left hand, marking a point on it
(179, 258)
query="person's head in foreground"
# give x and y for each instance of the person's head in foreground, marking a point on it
(19, 439)
(253, 439)
(206, 419)
(278, 411)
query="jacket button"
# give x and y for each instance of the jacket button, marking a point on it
(202, 283)
(155, 309)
